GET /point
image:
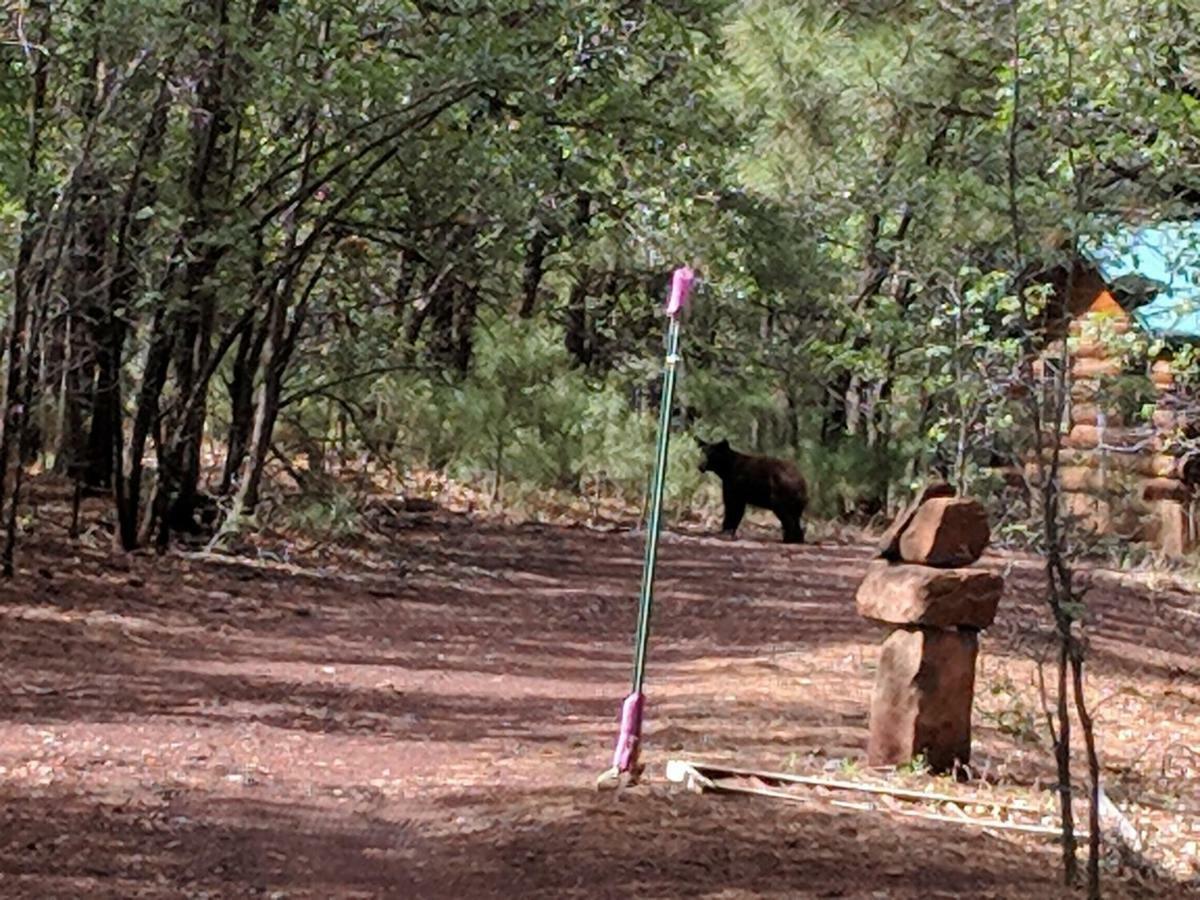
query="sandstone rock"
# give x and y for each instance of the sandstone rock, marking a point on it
(922, 595)
(946, 532)
(922, 699)
(889, 544)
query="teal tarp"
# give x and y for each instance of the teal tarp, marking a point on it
(1162, 263)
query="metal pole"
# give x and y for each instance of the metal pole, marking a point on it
(625, 756)
(646, 596)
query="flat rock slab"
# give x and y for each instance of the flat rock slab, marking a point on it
(889, 544)
(946, 532)
(901, 594)
(922, 699)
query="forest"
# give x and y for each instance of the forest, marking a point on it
(333, 345)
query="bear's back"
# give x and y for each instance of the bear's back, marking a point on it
(768, 482)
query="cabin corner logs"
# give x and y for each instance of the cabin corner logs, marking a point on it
(1121, 473)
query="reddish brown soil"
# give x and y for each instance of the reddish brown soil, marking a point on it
(425, 717)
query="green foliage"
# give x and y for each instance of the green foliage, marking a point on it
(917, 766)
(467, 214)
(335, 516)
(1010, 711)
(524, 413)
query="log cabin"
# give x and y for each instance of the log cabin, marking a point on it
(1129, 463)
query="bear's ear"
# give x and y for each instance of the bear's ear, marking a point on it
(701, 442)
(723, 444)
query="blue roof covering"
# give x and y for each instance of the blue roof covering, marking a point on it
(1162, 260)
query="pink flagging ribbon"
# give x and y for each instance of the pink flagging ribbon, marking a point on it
(681, 287)
(625, 756)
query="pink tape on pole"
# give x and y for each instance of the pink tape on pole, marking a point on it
(625, 757)
(681, 287)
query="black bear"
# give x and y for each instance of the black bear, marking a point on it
(761, 481)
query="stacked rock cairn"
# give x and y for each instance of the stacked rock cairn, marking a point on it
(934, 608)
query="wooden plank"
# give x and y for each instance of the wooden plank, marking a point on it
(1096, 368)
(1154, 489)
(716, 786)
(1083, 479)
(1094, 346)
(1088, 437)
(1088, 413)
(1001, 825)
(1100, 323)
(1089, 479)
(712, 773)
(1158, 465)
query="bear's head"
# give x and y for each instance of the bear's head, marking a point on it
(715, 457)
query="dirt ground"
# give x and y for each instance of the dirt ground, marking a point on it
(425, 715)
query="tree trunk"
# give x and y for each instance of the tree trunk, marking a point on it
(104, 467)
(534, 268)
(575, 327)
(69, 356)
(100, 460)
(82, 326)
(266, 406)
(179, 458)
(277, 351)
(241, 403)
(128, 483)
(20, 416)
(15, 416)
(542, 234)
(181, 455)
(465, 309)
(1087, 726)
(77, 363)
(52, 388)
(577, 336)
(835, 422)
(452, 316)
(222, 79)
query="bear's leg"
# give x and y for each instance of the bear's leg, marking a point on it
(793, 529)
(735, 508)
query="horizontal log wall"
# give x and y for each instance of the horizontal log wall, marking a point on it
(1119, 478)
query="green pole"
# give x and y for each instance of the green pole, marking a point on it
(625, 756)
(646, 596)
